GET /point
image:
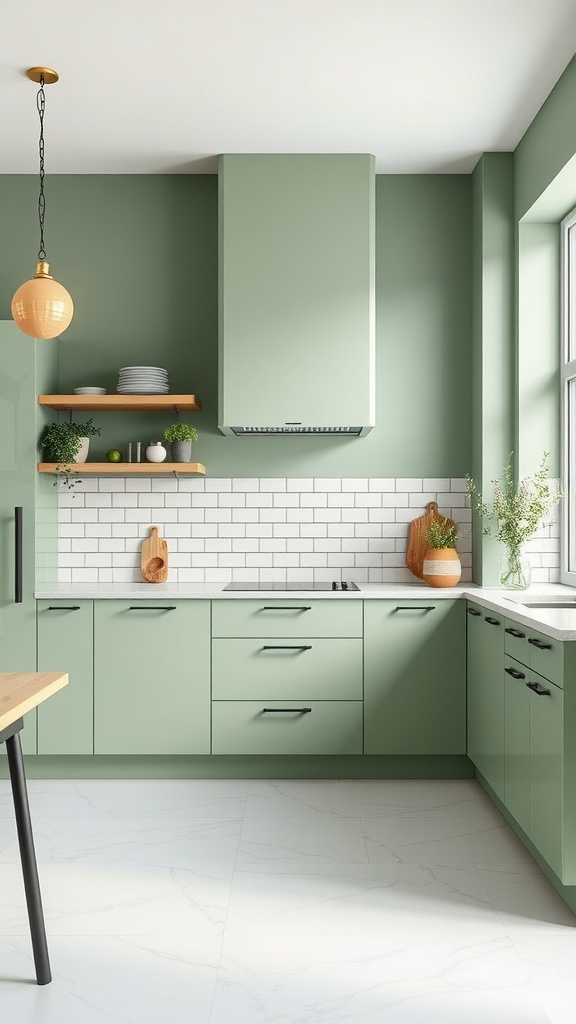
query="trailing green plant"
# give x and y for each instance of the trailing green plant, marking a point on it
(180, 432)
(442, 533)
(517, 511)
(61, 443)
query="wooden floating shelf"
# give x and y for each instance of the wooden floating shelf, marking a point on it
(121, 403)
(125, 468)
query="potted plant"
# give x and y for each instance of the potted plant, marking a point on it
(180, 436)
(515, 515)
(442, 567)
(67, 444)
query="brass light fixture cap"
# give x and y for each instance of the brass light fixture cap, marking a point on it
(50, 76)
(43, 270)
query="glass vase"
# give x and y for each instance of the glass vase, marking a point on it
(514, 570)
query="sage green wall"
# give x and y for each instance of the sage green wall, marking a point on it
(493, 340)
(139, 256)
(548, 145)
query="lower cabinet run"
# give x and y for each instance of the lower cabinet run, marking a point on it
(152, 677)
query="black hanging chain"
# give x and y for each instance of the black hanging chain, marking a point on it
(41, 105)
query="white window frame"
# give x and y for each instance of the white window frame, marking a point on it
(568, 415)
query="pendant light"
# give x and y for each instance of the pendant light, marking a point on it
(41, 307)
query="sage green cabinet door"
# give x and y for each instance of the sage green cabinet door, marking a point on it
(486, 695)
(152, 677)
(66, 643)
(547, 770)
(517, 743)
(26, 367)
(327, 727)
(414, 677)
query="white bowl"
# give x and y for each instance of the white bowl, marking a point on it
(90, 391)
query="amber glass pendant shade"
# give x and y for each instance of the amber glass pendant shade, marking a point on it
(41, 307)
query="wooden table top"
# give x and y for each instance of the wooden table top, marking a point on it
(22, 691)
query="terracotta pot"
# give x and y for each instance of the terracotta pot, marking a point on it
(442, 567)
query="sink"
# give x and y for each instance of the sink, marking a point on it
(547, 604)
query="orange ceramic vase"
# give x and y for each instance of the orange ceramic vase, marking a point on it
(441, 567)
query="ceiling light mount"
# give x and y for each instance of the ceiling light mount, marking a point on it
(48, 74)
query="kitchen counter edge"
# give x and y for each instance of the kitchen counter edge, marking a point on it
(557, 623)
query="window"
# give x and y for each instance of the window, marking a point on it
(568, 384)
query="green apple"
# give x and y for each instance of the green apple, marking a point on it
(114, 455)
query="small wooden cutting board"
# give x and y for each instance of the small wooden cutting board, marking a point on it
(154, 558)
(417, 543)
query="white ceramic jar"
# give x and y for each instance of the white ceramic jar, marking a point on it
(155, 452)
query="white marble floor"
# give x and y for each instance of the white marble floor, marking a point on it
(282, 902)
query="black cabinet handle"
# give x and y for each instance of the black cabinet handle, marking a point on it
(286, 711)
(515, 673)
(539, 644)
(18, 554)
(287, 647)
(414, 608)
(64, 608)
(516, 633)
(152, 608)
(472, 611)
(287, 608)
(493, 622)
(537, 688)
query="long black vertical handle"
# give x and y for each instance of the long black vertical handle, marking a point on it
(18, 554)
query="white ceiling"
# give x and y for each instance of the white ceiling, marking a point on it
(156, 86)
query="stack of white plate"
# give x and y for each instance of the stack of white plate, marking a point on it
(143, 380)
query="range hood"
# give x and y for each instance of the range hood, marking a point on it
(296, 294)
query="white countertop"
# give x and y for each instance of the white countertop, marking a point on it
(559, 623)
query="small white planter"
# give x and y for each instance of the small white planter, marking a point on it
(83, 450)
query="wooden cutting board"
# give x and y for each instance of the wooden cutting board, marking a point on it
(154, 558)
(417, 543)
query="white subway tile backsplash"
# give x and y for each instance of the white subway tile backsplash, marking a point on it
(328, 484)
(272, 529)
(286, 500)
(300, 483)
(411, 483)
(218, 484)
(262, 499)
(246, 484)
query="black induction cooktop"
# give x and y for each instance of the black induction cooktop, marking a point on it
(283, 587)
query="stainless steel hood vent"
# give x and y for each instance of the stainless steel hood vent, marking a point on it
(294, 428)
(296, 294)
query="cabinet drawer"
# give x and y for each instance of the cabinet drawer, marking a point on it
(245, 727)
(546, 656)
(516, 641)
(298, 668)
(287, 617)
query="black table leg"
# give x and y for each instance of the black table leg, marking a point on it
(28, 858)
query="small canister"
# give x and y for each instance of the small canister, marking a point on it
(155, 452)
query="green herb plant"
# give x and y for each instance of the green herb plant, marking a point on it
(442, 533)
(517, 511)
(61, 443)
(180, 432)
